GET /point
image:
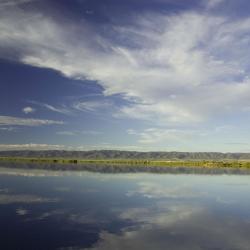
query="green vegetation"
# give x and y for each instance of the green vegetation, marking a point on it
(244, 164)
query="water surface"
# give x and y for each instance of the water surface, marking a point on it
(81, 210)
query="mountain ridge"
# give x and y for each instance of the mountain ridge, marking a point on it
(119, 154)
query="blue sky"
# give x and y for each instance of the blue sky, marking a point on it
(158, 75)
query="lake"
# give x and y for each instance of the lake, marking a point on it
(41, 209)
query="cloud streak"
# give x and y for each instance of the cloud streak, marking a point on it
(62, 110)
(17, 121)
(32, 146)
(79, 133)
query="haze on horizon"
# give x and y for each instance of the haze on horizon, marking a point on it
(145, 75)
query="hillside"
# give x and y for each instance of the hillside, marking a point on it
(116, 154)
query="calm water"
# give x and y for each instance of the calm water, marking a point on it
(81, 210)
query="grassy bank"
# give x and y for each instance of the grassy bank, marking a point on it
(132, 162)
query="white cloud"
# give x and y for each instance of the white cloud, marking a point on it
(28, 110)
(167, 74)
(32, 146)
(92, 106)
(85, 106)
(110, 146)
(17, 121)
(159, 135)
(63, 109)
(78, 133)
(58, 110)
(131, 132)
(213, 3)
(68, 133)
(8, 129)
(91, 132)
(10, 3)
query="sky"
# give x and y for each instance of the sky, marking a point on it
(144, 75)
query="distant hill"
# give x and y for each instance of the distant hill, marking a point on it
(116, 154)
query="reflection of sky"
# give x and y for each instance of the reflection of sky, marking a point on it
(80, 210)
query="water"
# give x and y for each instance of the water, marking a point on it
(81, 210)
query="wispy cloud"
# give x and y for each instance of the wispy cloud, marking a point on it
(212, 3)
(28, 110)
(78, 133)
(17, 121)
(56, 109)
(160, 135)
(164, 79)
(62, 109)
(67, 133)
(11, 3)
(92, 106)
(238, 143)
(91, 132)
(8, 129)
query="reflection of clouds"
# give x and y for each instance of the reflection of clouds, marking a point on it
(54, 173)
(156, 190)
(35, 172)
(175, 225)
(68, 189)
(181, 228)
(172, 219)
(160, 214)
(21, 211)
(63, 173)
(63, 189)
(23, 198)
(225, 201)
(29, 173)
(72, 248)
(86, 218)
(90, 190)
(70, 217)
(4, 190)
(54, 213)
(42, 173)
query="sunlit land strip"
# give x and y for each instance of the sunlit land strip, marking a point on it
(242, 164)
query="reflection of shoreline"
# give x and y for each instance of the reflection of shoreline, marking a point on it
(107, 168)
